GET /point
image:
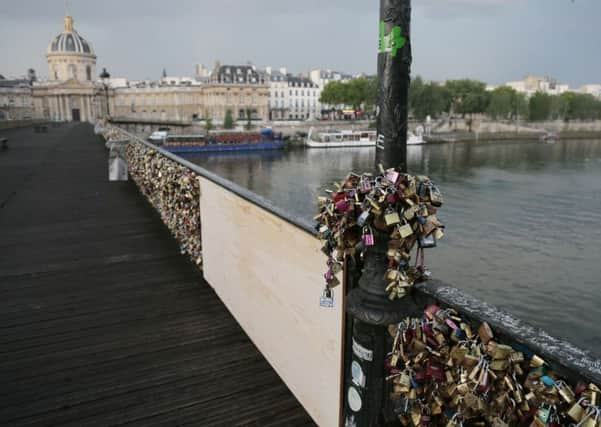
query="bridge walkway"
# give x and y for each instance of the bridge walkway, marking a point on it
(102, 321)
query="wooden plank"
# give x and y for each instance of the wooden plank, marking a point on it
(269, 274)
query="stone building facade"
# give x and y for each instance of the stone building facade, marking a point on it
(16, 101)
(229, 87)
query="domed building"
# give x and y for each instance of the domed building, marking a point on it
(70, 56)
(71, 92)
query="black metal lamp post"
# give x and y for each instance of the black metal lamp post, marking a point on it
(105, 77)
(368, 304)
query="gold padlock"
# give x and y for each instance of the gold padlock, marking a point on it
(391, 217)
(405, 231)
(536, 362)
(499, 365)
(577, 412)
(501, 352)
(485, 333)
(565, 392)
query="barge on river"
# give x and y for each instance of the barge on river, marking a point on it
(224, 141)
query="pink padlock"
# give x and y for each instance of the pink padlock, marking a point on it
(368, 237)
(342, 206)
(392, 175)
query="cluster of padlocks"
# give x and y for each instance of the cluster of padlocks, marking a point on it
(174, 192)
(401, 206)
(443, 373)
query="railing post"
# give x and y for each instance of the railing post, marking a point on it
(368, 304)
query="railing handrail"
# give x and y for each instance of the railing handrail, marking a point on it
(246, 194)
(572, 361)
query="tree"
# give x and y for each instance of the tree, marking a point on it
(371, 93)
(228, 121)
(540, 106)
(506, 103)
(333, 93)
(468, 97)
(248, 119)
(427, 99)
(208, 125)
(579, 106)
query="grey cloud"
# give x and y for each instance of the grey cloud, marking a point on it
(494, 40)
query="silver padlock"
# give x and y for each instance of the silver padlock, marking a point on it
(327, 298)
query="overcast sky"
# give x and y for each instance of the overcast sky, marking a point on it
(492, 40)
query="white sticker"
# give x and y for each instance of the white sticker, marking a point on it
(361, 352)
(357, 374)
(380, 142)
(354, 399)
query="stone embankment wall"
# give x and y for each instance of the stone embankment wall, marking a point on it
(482, 125)
(13, 124)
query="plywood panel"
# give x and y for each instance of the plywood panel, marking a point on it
(269, 274)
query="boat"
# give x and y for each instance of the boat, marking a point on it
(158, 137)
(344, 138)
(351, 138)
(224, 141)
(550, 137)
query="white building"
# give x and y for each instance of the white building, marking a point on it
(292, 97)
(532, 84)
(593, 89)
(322, 77)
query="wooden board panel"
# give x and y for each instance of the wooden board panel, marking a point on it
(269, 274)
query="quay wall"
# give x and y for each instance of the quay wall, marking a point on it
(14, 124)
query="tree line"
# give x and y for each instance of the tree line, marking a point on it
(466, 97)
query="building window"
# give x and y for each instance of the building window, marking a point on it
(72, 71)
(89, 73)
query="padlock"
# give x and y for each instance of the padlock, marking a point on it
(577, 411)
(543, 414)
(362, 219)
(499, 365)
(501, 352)
(426, 242)
(564, 391)
(335, 267)
(327, 298)
(391, 217)
(405, 230)
(392, 176)
(485, 333)
(368, 237)
(365, 184)
(536, 362)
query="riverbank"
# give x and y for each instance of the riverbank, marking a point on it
(447, 137)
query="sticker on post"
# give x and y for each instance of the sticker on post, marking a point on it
(362, 352)
(380, 142)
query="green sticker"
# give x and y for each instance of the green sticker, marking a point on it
(391, 42)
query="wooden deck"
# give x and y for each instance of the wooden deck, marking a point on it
(102, 321)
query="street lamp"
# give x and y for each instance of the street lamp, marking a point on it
(368, 304)
(105, 77)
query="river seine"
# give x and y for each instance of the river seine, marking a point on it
(523, 219)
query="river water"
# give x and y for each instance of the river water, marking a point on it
(523, 219)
